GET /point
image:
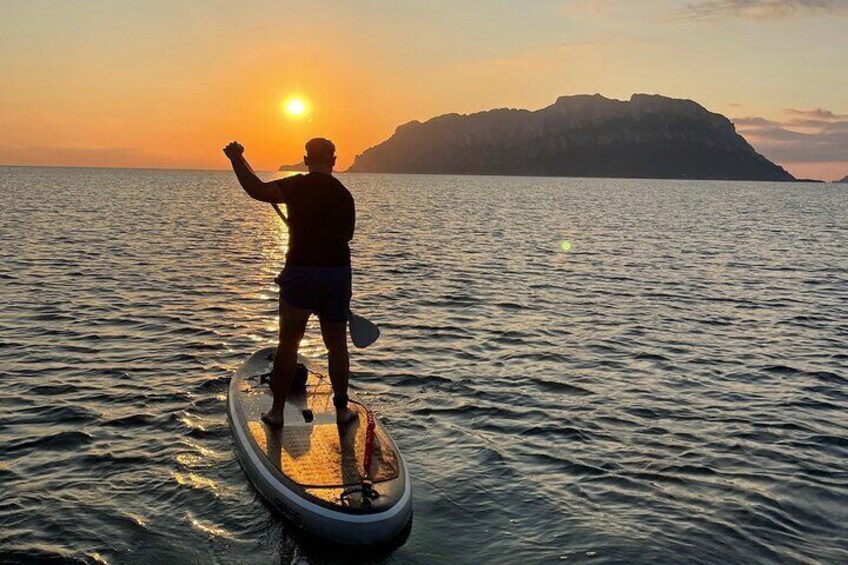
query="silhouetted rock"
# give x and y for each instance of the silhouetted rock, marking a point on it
(811, 180)
(298, 168)
(843, 180)
(589, 136)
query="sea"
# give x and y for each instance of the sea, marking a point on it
(575, 370)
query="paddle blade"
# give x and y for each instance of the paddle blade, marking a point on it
(362, 332)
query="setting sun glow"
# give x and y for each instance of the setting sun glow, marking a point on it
(223, 74)
(295, 108)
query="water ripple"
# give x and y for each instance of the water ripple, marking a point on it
(671, 390)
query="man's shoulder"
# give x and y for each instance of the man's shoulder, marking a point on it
(333, 180)
(290, 182)
(319, 181)
(290, 186)
(341, 185)
(292, 179)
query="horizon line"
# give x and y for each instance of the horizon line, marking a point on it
(796, 180)
(125, 168)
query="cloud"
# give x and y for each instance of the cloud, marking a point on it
(754, 123)
(757, 9)
(799, 136)
(818, 114)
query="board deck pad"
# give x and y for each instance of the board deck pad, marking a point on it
(317, 454)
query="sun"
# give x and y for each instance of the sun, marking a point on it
(295, 108)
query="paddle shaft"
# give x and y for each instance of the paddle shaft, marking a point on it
(280, 213)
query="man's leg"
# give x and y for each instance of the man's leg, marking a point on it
(292, 326)
(335, 339)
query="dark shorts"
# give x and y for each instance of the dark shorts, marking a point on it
(324, 290)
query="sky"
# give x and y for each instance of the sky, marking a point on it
(167, 83)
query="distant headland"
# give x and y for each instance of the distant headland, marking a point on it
(845, 180)
(297, 168)
(649, 136)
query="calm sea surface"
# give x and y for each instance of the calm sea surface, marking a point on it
(673, 388)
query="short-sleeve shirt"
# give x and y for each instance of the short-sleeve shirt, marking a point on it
(322, 218)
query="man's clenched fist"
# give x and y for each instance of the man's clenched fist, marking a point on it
(233, 150)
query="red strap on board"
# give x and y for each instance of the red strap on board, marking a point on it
(369, 442)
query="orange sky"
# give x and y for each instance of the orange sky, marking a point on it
(167, 84)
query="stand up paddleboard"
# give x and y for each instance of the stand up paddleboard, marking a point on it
(347, 484)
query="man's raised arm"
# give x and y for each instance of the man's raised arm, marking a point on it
(253, 185)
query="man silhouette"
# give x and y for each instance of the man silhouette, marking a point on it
(317, 275)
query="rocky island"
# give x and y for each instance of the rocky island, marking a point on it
(845, 180)
(648, 136)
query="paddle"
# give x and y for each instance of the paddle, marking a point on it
(363, 332)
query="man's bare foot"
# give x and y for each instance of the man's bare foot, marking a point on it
(273, 418)
(345, 416)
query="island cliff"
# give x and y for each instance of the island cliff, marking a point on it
(588, 136)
